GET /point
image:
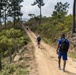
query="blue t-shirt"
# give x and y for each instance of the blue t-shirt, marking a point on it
(60, 40)
(63, 49)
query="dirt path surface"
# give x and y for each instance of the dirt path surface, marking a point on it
(46, 59)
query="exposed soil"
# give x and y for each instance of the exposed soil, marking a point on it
(46, 59)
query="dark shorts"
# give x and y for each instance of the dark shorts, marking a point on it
(38, 42)
(63, 55)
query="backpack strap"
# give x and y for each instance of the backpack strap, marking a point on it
(63, 39)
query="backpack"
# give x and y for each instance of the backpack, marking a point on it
(64, 46)
(38, 38)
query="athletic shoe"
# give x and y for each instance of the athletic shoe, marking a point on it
(63, 70)
(59, 67)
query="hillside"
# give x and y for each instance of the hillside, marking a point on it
(13, 43)
(19, 50)
(51, 29)
(23, 63)
(46, 58)
(31, 60)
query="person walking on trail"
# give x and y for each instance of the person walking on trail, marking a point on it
(27, 27)
(38, 41)
(62, 49)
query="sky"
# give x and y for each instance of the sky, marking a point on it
(47, 9)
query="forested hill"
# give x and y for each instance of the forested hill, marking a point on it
(52, 27)
(14, 42)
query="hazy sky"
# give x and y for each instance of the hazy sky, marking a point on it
(47, 9)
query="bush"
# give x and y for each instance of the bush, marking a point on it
(13, 39)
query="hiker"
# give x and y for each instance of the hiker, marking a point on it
(38, 41)
(62, 49)
(27, 27)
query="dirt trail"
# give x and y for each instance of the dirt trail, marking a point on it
(46, 58)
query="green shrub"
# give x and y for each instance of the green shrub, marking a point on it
(11, 39)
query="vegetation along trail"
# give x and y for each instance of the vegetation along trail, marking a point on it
(46, 58)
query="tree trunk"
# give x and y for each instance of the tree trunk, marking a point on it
(0, 62)
(14, 14)
(5, 17)
(0, 17)
(40, 15)
(73, 22)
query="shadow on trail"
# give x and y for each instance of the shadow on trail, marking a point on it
(70, 73)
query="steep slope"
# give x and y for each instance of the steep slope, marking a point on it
(47, 59)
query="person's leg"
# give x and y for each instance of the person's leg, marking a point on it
(64, 61)
(64, 64)
(59, 63)
(38, 44)
(59, 60)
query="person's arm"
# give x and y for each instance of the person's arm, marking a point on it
(37, 39)
(57, 48)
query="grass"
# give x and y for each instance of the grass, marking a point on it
(22, 72)
(14, 69)
(73, 55)
(22, 67)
